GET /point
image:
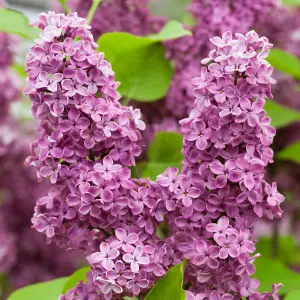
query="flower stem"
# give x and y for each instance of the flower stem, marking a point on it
(236, 75)
(92, 11)
(275, 239)
(230, 4)
(64, 6)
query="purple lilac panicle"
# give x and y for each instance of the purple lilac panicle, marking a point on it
(227, 140)
(88, 141)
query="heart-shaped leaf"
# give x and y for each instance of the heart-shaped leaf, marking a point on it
(288, 252)
(290, 153)
(14, 22)
(291, 3)
(172, 30)
(293, 295)
(50, 290)
(284, 62)
(269, 271)
(139, 62)
(79, 275)
(170, 286)
(163, 152)
(281, 115)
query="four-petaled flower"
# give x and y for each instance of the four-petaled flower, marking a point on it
(136, 259)
(206, 255)
(108, 169)
(105, 256)
(124, 240)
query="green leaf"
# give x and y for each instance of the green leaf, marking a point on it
(172, 9)
(281, 115)
(189, 20)
(290, 153)
(293, 295)
(137, 171)
(163, 152)
(139, 62)
(284, 62)
(270, 271)
(166, 147)
(50, 290)
(170, 286)
(163, 230)
(75, 278)
(172, 30)
(291, 3)
(14, 22)
(288, 251)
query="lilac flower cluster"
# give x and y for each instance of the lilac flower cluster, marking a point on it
(226, 150)
(6, 44)
(88, 141)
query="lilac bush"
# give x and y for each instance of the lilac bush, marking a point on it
(88, 140)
